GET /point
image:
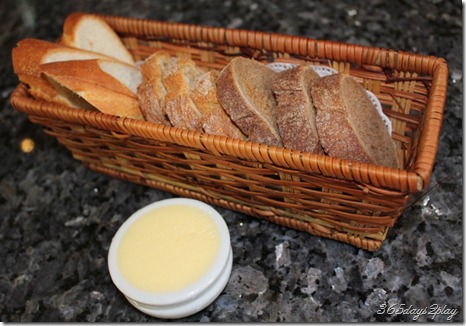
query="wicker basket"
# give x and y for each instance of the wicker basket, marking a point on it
(347, 201)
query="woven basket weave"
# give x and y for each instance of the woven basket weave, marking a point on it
(347, 201)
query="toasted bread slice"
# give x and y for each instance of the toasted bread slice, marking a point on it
(180, 108)
(215, 120)
(349, 126)
(151, 92)
(244, 89)
(296, 117)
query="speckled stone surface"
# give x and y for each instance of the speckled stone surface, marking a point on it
(58, 218)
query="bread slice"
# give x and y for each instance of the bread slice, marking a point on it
(180, 108)
(244, 89)
(30, 53)
(105, 84)
(151, 92)
(92, 33)
(296, 117)
(348, 125)
(215, 120)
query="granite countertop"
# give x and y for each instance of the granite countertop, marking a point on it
(58, 218)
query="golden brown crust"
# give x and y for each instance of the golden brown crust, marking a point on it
(244, 89)
(69, 28)
(295, 111)
(86, 79)
(349, 126)
(30, 53)
(26, 57)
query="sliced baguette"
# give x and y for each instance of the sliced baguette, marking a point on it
(105, 84)
(215, 120)
(30, 53)
(349, 126)
(245, 91)
(151, 92)
(296, 117)
(180, 108)
(92, 33)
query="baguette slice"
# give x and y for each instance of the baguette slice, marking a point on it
(215, 120)
(244, 89)
(349, 126)
(180, 108)
(296, 116)
(105, 84)
(30, 53)
(151, 92)
(92, 33)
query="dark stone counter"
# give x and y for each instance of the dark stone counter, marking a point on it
(58, 218)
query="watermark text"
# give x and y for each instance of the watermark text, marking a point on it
(432, 311)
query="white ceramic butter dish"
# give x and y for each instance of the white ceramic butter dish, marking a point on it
(171, 258)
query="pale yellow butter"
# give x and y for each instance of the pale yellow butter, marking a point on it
(168, 248)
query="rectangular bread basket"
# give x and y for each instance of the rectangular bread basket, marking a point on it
(346, 201)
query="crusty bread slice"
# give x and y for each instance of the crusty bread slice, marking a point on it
(215, 120)
(349, 126)
(244, 89)
(30, 53)
(180, 108)
(296, 117)
(105, 84)
(127, 74)
(92, 33)
(151, 92)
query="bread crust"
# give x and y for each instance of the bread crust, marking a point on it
(151, 92)
(215, 120)
(244, 89)
(176, 92)
(76, 34)
(30, 53)
(86, 79)
(180, 108)
(296, 116)
(348, 125)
